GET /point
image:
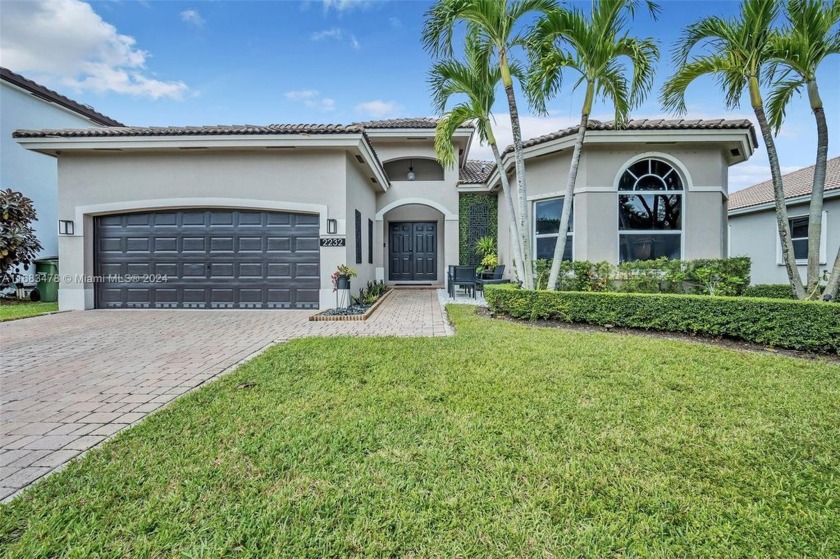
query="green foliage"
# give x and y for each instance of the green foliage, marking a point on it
(371, 293)
(490, 261)
(467, 252)
(724, 276)
(770, 291)
(805, 325)
(485, 246)
(18, 244)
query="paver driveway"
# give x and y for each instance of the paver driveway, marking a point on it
(69, 380)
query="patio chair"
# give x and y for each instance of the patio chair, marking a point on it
(463, 276)
(450, 278)
(496, 279)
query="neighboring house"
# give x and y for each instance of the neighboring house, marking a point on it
(753, 229)
(261, 216)
(26, 104)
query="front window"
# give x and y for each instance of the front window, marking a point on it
(650, 195)
(799, 236)
(547, 228)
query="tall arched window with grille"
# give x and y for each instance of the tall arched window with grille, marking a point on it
(650, 210)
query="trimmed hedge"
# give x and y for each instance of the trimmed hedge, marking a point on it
(806, 325)
(770, 291)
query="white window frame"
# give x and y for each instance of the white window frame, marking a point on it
(569, 234)
(675, 168)
(823, 241)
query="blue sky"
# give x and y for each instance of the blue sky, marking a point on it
(164, 63)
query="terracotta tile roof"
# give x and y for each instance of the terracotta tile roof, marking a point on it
(42, 92)
(221, 130)
(414, 122)
(797, 183)
(475, 172)
(646, 124)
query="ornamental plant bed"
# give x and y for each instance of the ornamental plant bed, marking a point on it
(353, 312)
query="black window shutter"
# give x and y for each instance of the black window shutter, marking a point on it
(370, 241)
(358, 237)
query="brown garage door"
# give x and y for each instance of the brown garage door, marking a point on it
(207, 259)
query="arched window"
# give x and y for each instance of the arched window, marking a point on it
(650, 207)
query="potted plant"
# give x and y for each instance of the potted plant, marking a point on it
(341, 277)
(486, 248)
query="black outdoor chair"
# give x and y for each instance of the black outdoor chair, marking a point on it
(463, 276)
(496, 279)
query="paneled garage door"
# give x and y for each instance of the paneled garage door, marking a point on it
(207, 259)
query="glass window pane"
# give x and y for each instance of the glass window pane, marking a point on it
(649, 247)
(650, 182)
(650, 212)
(800, 249)
(799, 227)
(545, 248)
(548, 213)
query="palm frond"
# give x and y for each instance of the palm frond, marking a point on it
(778, 99)
(673, 92)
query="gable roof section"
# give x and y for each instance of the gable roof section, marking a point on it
(475, 172)
(51, 96)
(221, 130)
(645, 124)
(798, 183)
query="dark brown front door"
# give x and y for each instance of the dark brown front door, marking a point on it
(412, 251)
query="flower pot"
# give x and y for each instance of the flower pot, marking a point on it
(343, 282)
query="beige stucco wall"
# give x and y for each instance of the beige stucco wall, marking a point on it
(704, 172)
(360, 196)
(756, 235)
(116, 182)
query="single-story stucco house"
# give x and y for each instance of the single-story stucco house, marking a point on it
(753, 230)
(28, 104)
(261, 216)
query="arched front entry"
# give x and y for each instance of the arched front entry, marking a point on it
(418, 240)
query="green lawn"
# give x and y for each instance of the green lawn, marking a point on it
(14, 311)
(503, 441)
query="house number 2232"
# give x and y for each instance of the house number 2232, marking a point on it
(333, 241)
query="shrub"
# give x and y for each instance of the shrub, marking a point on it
(806, 325)
(721, 276)
(18, 244)
(770, 291)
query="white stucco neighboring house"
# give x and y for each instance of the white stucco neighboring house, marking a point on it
(261, 216)
(754, 230)
(27, 104)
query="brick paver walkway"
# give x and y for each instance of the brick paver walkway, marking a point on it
(70, 380)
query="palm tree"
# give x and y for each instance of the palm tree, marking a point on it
(593, 46)
(739, 56)
(808, 38)
(475, 81)
(497, 25)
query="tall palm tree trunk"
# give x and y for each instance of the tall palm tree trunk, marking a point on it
(517, 241)
(816, 208)
(522, 192)
(568, 199)
(833, 286)
(779, 192)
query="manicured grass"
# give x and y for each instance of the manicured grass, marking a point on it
(15, 311)
(504, 441)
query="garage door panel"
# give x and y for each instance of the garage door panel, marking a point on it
(210, 259)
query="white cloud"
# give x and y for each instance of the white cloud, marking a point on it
(334, 33)
(65, 41)
(192, 17)
(379, 108)
(395, 22)
(354, 43)
(341, 6)
(312, 99)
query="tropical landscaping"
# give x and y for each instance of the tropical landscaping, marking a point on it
(503, 440)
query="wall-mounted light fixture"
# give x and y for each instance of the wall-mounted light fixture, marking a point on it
(332, 226)
(411, 176)
(65, 227)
